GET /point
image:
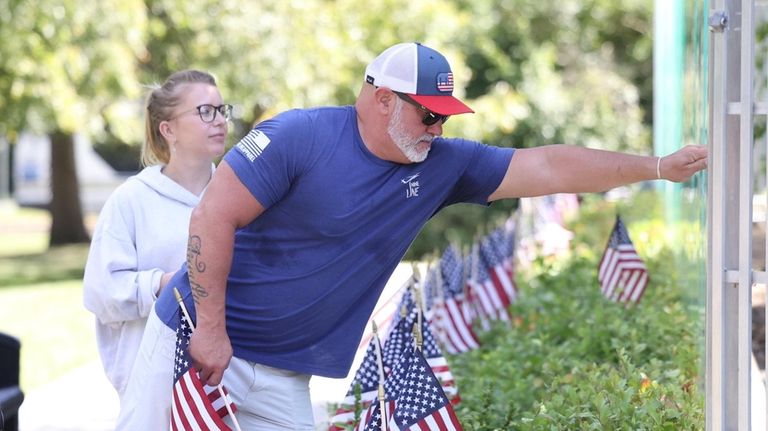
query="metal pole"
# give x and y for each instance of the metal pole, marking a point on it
(746, 127)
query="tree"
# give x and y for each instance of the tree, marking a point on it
(536, 71)
(63, 65)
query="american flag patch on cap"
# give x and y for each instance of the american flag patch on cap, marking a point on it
(445, 82)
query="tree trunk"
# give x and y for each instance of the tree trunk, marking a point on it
(67, 226)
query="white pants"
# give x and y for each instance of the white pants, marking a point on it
(267, 398)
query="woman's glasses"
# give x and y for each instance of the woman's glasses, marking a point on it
(208, 112)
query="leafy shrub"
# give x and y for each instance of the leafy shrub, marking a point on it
(571, 360)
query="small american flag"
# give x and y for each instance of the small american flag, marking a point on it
(367, 377)
(372, 420)
(451, 316)
(398, 340)
(401, 338)
(486, 292)
(622, 274)
(420, 403)
(195, 406)
(452, 322)
(438, 364)
(452, 269)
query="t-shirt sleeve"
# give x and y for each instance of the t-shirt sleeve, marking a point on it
(485, 169)
(269, 158)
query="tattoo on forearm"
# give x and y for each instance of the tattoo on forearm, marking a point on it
(194, 246)
(198, 291)
(195, 265)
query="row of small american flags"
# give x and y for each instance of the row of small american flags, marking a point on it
(462, 292)
(457, 291)
(419, 391)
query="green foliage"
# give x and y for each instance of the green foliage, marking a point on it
(573, 71)
(573, 360)
(536, 71)
(64, 63)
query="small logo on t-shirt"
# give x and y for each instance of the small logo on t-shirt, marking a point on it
(253, 144)
(412, 189)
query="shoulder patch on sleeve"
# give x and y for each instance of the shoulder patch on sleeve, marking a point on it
(253, 144)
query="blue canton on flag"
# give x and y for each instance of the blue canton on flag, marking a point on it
(374, 416)
(397, 341)
(367, 377)
(453, 272)
(420, 402)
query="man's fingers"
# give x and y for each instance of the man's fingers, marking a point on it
(209, 377)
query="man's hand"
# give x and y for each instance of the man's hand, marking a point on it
(683, 163)
(210, 351)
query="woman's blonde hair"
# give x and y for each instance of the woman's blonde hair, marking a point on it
(161, 101)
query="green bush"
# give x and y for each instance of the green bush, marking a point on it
(572, 360)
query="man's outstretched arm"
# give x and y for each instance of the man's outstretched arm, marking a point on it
(571, 169)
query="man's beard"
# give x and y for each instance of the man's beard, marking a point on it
(404, 141)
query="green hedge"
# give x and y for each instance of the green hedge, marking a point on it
(571, 360)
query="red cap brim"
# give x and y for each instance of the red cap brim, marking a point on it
(443, 105)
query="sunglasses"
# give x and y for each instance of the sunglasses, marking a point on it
(430, 118)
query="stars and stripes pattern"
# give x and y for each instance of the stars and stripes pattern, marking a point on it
(401, 338)
(372, 420)
(489, 298)
(445, 81)
(420, 403)
(622, 273)
(195, 405)
(451, 313)
(504, 245)
(398, 340)
(367, 378)
(501, 280)
(438, 364)
(452, 270)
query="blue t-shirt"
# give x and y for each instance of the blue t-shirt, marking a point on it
(307, 273)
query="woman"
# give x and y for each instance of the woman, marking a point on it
(141, 235)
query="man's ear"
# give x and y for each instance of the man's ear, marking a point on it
(384, 99)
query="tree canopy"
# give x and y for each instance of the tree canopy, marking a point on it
(536, 72)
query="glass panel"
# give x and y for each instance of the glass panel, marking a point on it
(681, 67)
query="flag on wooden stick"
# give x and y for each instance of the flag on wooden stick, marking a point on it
(196, 405)
(366, 378)
(622, 274)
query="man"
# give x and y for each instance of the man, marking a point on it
(309, 214)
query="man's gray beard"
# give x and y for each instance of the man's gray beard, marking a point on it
(407, 143)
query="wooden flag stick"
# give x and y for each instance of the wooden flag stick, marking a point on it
(417, 300)
(380, 364)
(218, 387)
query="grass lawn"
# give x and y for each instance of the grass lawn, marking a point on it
(56, 332)
(41, 297)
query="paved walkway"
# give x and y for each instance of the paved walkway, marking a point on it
(83, 400)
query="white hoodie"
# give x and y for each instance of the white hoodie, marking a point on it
(141, 234)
